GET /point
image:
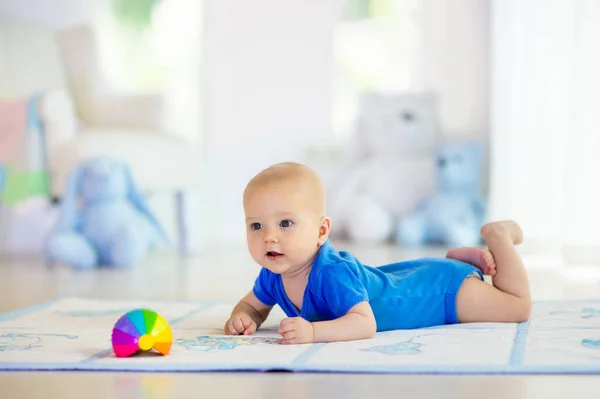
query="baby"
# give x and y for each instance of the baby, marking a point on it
(329, 295)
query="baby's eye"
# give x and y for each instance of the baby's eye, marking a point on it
(255, 226)
(285, 223)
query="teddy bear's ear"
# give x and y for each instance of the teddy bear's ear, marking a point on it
(69, 207)
(139, 201)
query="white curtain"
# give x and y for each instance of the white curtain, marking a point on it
(545, 123)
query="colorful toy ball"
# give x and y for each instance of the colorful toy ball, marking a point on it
(141, 330)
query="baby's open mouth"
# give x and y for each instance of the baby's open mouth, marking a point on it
(273, 254)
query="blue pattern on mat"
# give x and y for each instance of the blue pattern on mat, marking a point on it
(207, 343)
(586, 313)
(409, 347)
(591, 343)
(516, 356)
(95, 313)
(23, 342)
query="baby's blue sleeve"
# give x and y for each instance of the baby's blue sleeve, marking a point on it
(263, 286)
(340, 289)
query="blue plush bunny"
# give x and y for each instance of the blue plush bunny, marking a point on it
(104, 219)
(454, 214)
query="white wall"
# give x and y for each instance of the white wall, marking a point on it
(455, 63)
(267, 79)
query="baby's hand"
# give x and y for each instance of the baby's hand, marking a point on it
(296, 330)
(240, 324)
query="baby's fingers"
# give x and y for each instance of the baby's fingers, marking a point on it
(232, 329)
(229, 329)
(286, 325)
(247, 322)
(239, 326)
(250, 330)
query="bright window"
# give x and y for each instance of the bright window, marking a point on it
(143, 43)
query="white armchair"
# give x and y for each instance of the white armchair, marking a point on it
(81, 123)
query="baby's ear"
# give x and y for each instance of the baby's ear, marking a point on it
(324, 229)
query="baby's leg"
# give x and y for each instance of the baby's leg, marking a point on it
(509, 299)
(479, 257)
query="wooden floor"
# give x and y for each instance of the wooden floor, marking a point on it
(224, 273)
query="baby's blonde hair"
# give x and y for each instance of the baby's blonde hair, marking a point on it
(297, 177)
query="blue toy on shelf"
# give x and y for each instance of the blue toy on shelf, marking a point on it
(454, 214)
(104, 219)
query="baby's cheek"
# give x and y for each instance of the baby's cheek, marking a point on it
(253, 247)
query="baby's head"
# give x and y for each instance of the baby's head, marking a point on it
(286, 221)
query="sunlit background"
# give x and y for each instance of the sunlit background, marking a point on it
(198, 96)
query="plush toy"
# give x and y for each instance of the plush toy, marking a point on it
(371, 222)
(389, 167)
(454, 214)
(104, 219)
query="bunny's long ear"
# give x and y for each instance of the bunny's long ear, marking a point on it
(68, 219)
(139, 201)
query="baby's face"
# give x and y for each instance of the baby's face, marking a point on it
(282, 231)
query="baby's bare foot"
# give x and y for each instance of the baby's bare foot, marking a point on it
(479, 257)
(501, 229)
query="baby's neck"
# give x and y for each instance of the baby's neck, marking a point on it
(295, 282)
(298, 274)
(301, 273)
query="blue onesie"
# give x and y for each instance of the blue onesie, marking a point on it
(410, 294)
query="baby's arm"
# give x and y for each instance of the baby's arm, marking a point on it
(358, 323)
(247, 316)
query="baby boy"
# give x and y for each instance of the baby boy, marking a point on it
(329, 295)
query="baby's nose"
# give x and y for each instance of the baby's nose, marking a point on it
(270, 235)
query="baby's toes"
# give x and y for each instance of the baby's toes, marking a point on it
(488, 260)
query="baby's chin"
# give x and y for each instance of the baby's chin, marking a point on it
(275, 267)
(279, 266)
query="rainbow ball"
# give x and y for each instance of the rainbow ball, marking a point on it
(141, 330)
